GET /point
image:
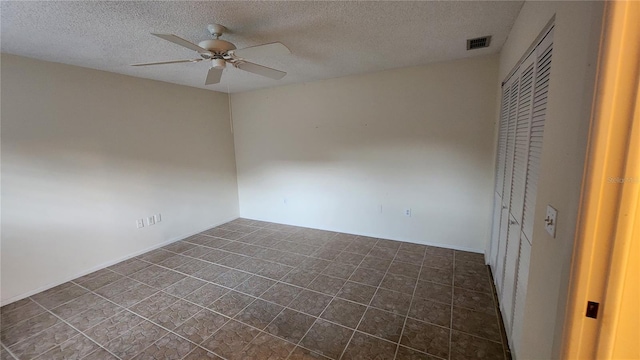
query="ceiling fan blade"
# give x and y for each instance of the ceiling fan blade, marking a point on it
(182, 42)
(261, 70)
(275, 48)
(167, 62)
(213, 76)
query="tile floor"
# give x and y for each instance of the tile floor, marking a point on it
(257, 290)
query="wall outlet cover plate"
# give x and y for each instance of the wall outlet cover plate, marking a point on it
(550, 220)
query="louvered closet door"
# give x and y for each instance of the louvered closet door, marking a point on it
(518, 178)
(499, 176)
(506, 188)
(539, 108)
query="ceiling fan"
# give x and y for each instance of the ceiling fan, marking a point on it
(220, 52)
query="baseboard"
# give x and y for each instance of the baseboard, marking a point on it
(447, 246)
(107, 264)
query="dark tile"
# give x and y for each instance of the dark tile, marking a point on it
(326, 284)
(165, 280)
(367, 276)
(114, 327)
(197, 251)
(469, 256)
(282, 294)
(179, 247)
(475, 282)
(201, 326)
(437, 261)
(274, 271)
(52, 300)
(326, 254)
(210, 272)
(133, 296)
(433, 291)
(175, 261)
(357, 292)
(382, 324)
(230, 339)
(327, 339)
(362, 249)
(27, 328)
(474, 300)
(431, 311)
(344, 312)
(176, 314)
(476, 323)
(391, 244)
(224, 234)
(300, 277)
(409, 257)
(393, 301)
(342, 271)
(471, 347)
(310, 302)
(376, 263)
(404, 269)
(313, 264)
(442, 276)
(231, 278)
(365, 347)
(471, 268)
(97, 282)
(201, 354)
(170, 347)
(74, 348)
(259, 314)
(231, 303)
(425, 337)
(185, 287)
(118, 287)
(153, 304)
(255, 285)
(30, 309)
(253, 266)
(135, 340)
(100, 354)
(20, 303)
(95, 315)
(349, 258)
(290, 325)
(266, 346)
(405, 353)
(439, 251)
(300, 353)
(43, 341)
(192, 267)
(149, 273)
(66, 311)
(207, 294)
(383, 252)
(414, 248)
(213, 255)
(399, 283)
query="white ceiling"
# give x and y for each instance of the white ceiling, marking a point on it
(327, 39)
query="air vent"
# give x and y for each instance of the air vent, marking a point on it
(478, 43)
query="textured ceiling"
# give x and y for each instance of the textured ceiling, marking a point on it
(327, 39)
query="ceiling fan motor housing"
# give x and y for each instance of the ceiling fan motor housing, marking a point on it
(217, 46)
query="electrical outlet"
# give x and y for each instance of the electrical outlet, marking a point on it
(157, 217)
(140, 223)
(151, 220)
(550, 221)
(407, 212)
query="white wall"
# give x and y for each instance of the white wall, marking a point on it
(85, 153)
(350, 154)
(576, 36)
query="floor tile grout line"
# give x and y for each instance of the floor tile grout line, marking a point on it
(395, 356)
(372, 297)
(76, 329)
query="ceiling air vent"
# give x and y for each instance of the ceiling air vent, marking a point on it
(478, 43)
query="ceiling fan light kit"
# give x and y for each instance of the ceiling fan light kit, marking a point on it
(220, 52)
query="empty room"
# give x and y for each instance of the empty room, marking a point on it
(319, 180)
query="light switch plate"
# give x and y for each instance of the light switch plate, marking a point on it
(550, 220)
(157, 217)
(151, 220)
(140, 223)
